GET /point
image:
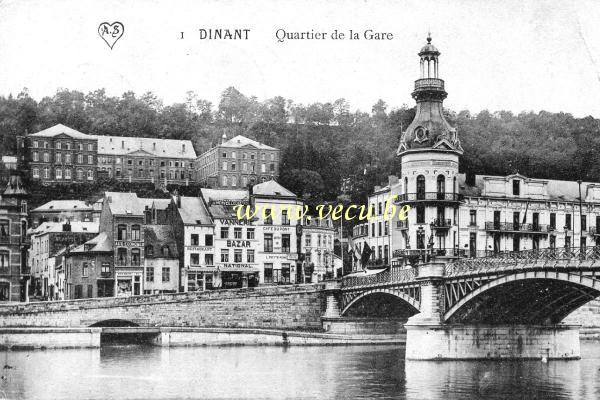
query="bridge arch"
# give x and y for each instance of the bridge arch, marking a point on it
(412, 303)
(113, 323)
(527, 297)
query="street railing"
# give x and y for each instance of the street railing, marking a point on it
(428, 196)
(516, 227)
(390, 275)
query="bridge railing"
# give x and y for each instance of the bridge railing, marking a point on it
(512, 258)
(388, 276)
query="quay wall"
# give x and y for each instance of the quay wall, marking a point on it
(49, 338)
(588, 316)
(283, 307)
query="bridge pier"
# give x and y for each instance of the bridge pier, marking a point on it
(479, 342)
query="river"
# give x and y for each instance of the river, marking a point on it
(367, 372)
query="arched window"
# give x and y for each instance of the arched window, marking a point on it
(149, 250)
(420, 187)
(441, 186)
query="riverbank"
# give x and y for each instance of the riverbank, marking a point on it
(44, 338)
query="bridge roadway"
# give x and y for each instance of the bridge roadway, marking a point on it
(504, 301)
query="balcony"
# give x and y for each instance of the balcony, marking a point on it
(441, 223)
(434, 197)
(512, 227)
(429, 83)
(402, 225)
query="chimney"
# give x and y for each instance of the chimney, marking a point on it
(153, 146)
(122, 144)
(183, 147)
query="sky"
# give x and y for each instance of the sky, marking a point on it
(508, 55)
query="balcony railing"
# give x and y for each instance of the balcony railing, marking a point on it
(428, 196)
(516, 227)
(429, 83)
(441, 223)
(5, 239)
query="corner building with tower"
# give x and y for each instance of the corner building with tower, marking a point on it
(455, 215)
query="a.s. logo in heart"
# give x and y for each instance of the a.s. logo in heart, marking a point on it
(110, 33)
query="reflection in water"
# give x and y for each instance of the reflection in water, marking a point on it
(297, 372)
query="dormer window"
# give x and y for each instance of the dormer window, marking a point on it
(516, 188)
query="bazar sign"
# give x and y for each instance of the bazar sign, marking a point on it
(238, 243)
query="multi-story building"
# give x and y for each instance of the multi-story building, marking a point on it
(64, 210)
(161, 260)
(237, 162)
(236, 242)
(317, 243)
(62, 154)
(136, 159)
(47, 240)
(88, 270)
(14, 272)
(194, 231)
(454, 215)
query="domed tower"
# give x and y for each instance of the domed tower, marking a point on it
(429, 150)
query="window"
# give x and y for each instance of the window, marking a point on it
(84, 270)
(224, 232)
(135, 257)
(308, 240)
(35, 144)
(36, 156)
(105, 269)
(420, 214)
(285, 243)
(245, 167)
(195, 239)
(47, 173)
(372, 231)
(268, 242)
(263, 168)
(58, 173)
(516, 187)
(237, 233)
(58, 157)
(233, 181)
(584, 222)
(420, 187)
(224, 180)
(67, 158)
(4, 229)
(208, 240)
(149, 274)
(122, 232)
(473, 217)
(208, 259)
(135, 232)
(36, 173)
(441, 186)
(379, 228)
(165, 251)
(166, 274)
(250, 256)
(80, 158)
(149, 250)
(237, 255)
(552, 221)
(195, 259)
(268, 273)
(121, 256)
(285, 219)
(318, 240)
(224, 165)
(568, 221)
(224, 255)
(67, 174)
(269, 217)
(90, 174)
(386, 228)
(285, 273)
(4, 257)
(249, 233)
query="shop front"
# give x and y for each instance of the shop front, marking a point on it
(201, 278)
(235, 276)
(128, 283)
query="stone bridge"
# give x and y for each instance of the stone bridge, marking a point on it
(283, 307)
(503, 305)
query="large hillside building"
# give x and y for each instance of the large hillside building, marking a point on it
(454, 216)
(237, 162)
(61, 154)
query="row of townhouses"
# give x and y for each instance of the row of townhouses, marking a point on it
(60, 154)
(457, 215)
(124, 245)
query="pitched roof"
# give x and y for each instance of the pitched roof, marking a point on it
(193, 211)
(125, 203)
(124, 145)
(159, 236)
(76, 226)
(242, 141)
(62, 129)
(64, 205)
(271, 188)
(100, 243)
(221, 202)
